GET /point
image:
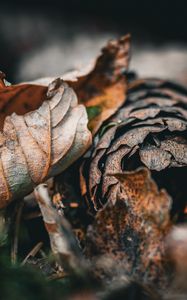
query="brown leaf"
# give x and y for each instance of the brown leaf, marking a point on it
(132, 232)
(40, 143)
(19, 98)
(106, 85)
(103, 89)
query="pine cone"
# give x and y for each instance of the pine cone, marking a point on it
(135, 178)
(150, 130)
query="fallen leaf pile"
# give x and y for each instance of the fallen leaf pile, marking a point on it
(116, 149)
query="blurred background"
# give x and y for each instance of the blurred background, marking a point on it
(49, 37)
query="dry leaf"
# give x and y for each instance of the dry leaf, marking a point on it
(151, 130)
(19, 98)
(106, 85)
(40, 143)
(132, 232)
(103, 89)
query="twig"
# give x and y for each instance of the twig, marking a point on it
(14, 248)
(32, 253)
(63, 242)
(58, 275)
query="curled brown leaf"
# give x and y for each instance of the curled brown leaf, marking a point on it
(42, 142)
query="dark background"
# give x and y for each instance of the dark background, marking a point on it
(46, 38)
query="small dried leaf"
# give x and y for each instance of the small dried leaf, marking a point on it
(132, 232)
(40, 143)
(106, 85)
